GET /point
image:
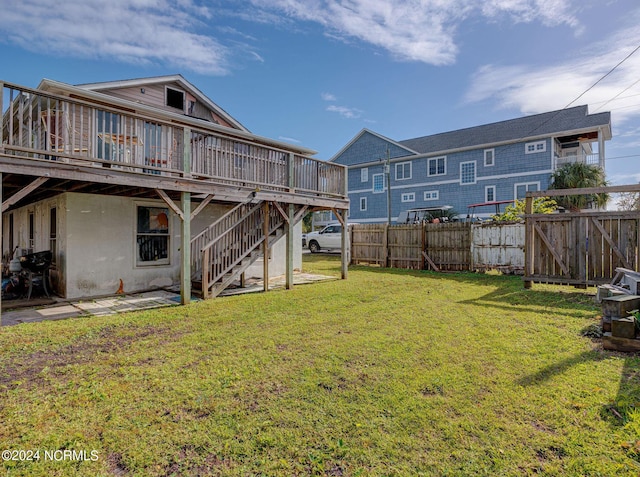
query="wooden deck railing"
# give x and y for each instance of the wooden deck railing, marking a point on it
(44, 126)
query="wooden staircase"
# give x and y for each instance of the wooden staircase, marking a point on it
(230, 245)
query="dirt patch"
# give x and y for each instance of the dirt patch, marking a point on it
(26, 370)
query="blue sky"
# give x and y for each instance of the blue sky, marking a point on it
(315, 72)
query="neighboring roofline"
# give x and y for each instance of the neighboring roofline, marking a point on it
(57, 86)
(363, 131)
(531, 117)
(177, 78)
(490, 145)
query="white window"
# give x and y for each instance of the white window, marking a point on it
(532, 147)
(403, 171)
(409, 197)
(520, 190)
(489, 157)
(437, 166)
(364, 174)
(152, 235)
(363, 203)
(431, 195)
(468, 172)
(378, 183)
(490, 193)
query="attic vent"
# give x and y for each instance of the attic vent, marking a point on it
(175, 99)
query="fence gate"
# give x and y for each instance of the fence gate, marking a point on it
(580, 248)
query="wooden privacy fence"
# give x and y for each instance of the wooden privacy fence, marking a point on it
(582, 248)
(453, 246)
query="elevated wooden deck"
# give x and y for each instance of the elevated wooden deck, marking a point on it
(102, 148)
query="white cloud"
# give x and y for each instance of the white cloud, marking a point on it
(135, 31)
(416, 30)
(349, 113)
(534, 88)
(328, 97)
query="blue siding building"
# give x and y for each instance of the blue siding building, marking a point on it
(492, 162)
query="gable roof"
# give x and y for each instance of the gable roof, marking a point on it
(366, 131)
(564, 121)
(177, 78)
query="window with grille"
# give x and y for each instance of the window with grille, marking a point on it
(468, 172)
(152, 235)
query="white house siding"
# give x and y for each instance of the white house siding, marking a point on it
(96, 243)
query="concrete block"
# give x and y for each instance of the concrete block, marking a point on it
(623, 327)
(620, 306)
(605, 291)
(606, 324)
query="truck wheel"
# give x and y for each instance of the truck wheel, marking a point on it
(314, 247)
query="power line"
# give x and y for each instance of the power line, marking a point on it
(603, 77)
(616, 96)
(587, 90)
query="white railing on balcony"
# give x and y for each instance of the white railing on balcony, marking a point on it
(583, 158)
(43, 126)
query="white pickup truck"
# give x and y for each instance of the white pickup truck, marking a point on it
(329, 238)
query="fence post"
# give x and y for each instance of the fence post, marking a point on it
(385, 245)
(528, 240)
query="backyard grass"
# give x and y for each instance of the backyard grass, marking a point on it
(389, 373)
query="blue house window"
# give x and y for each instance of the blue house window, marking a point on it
(363, 203)
(378, 183)
(408, 197)
(468, 172)
(490, 193)
(489, 157)
(521, 189)
(431, 195)
(403, 171)
(364, 174)
(437, 166)
(538, 146)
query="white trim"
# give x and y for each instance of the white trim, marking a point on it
(534, 147)
(444, 158)
(373, 181)
(457, 181)
(364, 174)
(408, 197)
(515, 187)
(475, 172)
(486, 195)
(435, 195)
(493, 157)
(363, 200)
(403, 178)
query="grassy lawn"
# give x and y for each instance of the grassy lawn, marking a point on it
(387, 373)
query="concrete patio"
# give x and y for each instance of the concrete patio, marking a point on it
(45, 310)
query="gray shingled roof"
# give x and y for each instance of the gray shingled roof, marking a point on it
(551, 123)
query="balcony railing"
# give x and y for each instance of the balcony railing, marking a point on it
(583, 158)
(44, 126)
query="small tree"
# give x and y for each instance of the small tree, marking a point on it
(514, 213)
(577, 175)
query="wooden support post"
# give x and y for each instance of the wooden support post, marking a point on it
(206, 270)
(186, 154)
(346, 249)
(243, 280)
(265, 246)
(185, 270)
(289, 277)
(529, 239)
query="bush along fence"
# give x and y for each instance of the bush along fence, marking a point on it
(457, 246)
(578, 249)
